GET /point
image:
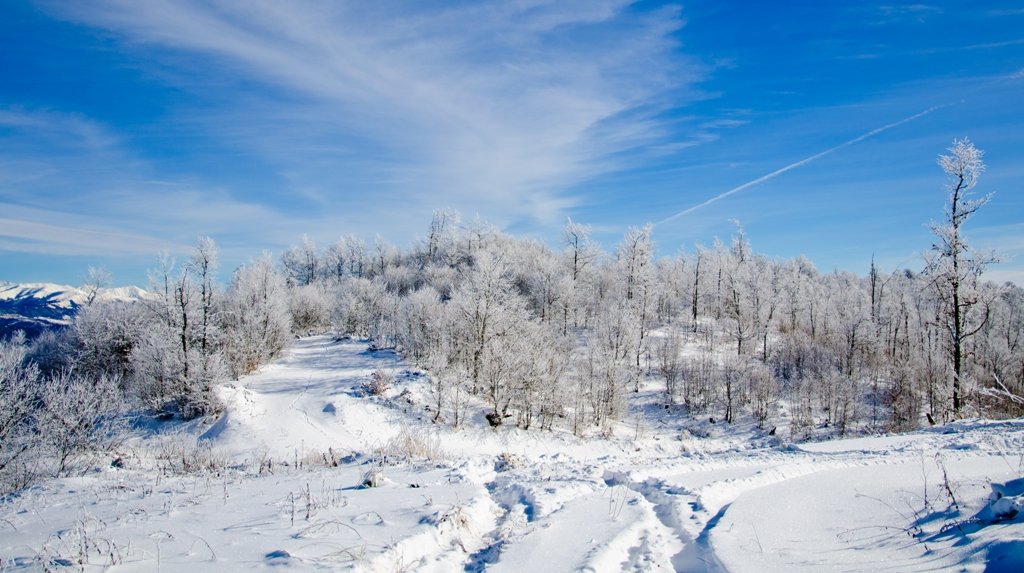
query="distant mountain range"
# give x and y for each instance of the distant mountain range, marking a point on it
(36, 307)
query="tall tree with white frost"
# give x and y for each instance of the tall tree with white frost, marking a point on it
(485, 303)
(301, 264)
(578, 258)
(177, 362)
(634, 267)
(955, 268)
(203, 265)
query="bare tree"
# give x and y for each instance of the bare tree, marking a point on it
(955, 268)
(634, 267)
(670, 364)
(355, 255)
(96, 279)
(301, 264)
(203, 266)
(441, 237)
(579, 254)
(334, 261)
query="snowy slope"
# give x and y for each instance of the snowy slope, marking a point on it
(281, 473)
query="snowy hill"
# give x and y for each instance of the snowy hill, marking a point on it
(309, 470)
(35, 307)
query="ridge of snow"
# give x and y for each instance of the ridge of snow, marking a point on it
(66, 296)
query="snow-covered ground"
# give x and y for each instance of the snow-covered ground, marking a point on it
(277, 483)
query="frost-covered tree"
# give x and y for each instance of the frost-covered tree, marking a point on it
(439, 246)
(954, 267)
(609, 361)
(177, 361)
(796, 278)
(301, 263)
(668, 352)
(385, 256)
(419, 325)
(104, 335)
(850, 310)
(579, 257)
(355, 255)
(538, 277)
(538, 354)
(364, 307)
(203, 267)
(77, 416)
(18, 405)
(311, 308)
(635, 268)
(96, 279)
(172, 368)
(48, 423)
(335, 261)
(1003, 348)
(256, 318)
(486, 305)
(672, 294)
(742, 283)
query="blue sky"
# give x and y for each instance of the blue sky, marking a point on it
(128, 128)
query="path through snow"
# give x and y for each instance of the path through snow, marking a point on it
(288, 457)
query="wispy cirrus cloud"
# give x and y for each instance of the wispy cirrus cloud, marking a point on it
(496, 107)
(910, 12)
(57, 128)
(70, 186)
(55, 232)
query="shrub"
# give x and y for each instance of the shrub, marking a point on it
(380, 382)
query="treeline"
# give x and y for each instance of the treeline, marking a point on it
(559, 335)
(547, 334)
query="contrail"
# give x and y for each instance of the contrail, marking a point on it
(804, 161)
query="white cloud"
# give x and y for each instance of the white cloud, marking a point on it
(68, 234)
(71, 129)
(496, 107)
(70, 186)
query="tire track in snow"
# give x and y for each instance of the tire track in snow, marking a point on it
(693, 513)
(526, 503)
(673, 506)
(564, 517)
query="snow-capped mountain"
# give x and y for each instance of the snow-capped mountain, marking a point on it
(35, 307)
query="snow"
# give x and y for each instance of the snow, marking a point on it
(60, 295)
(308, 401)
(67, 297)
(279, 483)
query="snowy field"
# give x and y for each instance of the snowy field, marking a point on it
(282, 481)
